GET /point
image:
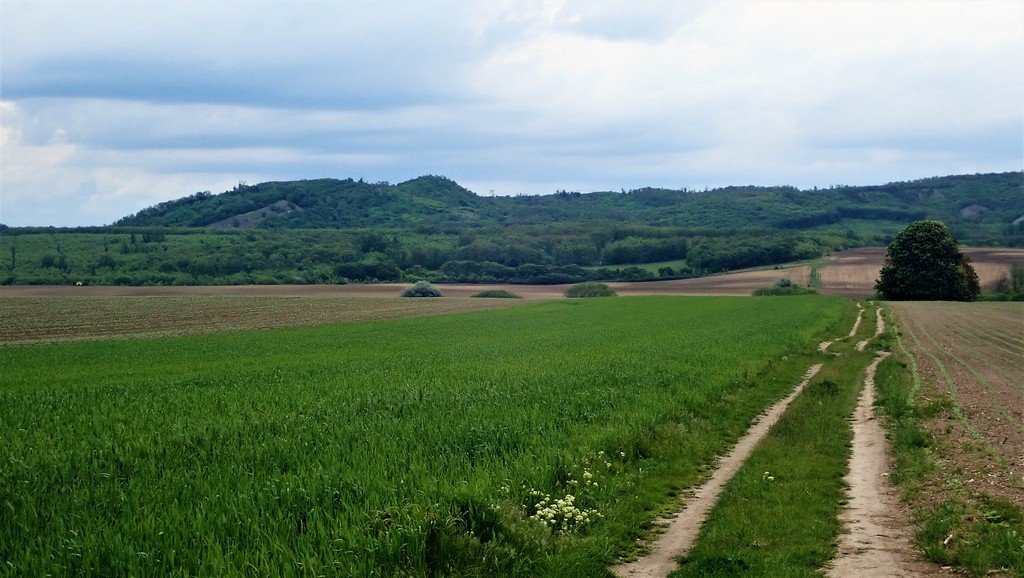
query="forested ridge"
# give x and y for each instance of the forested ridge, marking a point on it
(336, 231)
(992, 202)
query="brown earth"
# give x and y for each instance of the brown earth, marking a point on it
(973, 354)
(739, 283)
(849, 274)
(852, 273)
(353, 290)
(31, 314)
(28, 319)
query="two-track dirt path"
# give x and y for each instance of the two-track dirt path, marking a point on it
(879, 328)
(876, 540)
(682, 530)
(824, 345)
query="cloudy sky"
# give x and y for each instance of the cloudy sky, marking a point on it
(107, 106)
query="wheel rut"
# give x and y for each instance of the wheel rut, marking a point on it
(876, 541)
(681, 531)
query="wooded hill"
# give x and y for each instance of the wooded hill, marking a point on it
(336, 231)
(981, 208)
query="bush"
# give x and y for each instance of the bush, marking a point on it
(421, 289)
(589, 289)
(497, 294)
(783, 287)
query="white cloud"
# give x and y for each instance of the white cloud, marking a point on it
(115, 105)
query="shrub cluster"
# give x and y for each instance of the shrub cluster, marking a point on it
(590, 289)
(497, 294)
(783, 287)
(421, 289)
(1011, 286)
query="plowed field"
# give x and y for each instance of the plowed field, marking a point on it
(973, 354)
(57, 318)
(852, 273)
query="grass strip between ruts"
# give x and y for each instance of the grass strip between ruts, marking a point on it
(779, 515)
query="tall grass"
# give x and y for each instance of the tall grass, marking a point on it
(412, 447)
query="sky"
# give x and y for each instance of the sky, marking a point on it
(110, 106)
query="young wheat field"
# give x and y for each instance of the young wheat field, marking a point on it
(534, 440)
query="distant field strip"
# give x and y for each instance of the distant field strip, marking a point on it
(41, 319)
(411, 447)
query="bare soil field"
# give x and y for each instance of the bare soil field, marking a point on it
(849, 274)
(31, 314)
(47, 313)
(33, 319)
(739, 283)
(353, 290)
(852, 273)
(973, 354)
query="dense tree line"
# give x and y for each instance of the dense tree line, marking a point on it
(526, 254)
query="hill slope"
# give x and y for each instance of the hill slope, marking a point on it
(978, 208)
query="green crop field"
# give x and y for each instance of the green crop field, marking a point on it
(438, 445)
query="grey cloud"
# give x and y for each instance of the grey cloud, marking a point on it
(320, 54)
(112, 106)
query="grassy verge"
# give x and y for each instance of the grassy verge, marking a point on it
(779, 515)
(955, 526)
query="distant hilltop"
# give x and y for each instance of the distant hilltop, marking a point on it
(977, 206)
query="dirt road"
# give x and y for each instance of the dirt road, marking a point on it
(876, 541)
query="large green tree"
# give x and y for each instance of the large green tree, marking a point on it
(923, 263)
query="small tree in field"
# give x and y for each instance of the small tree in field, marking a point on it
(923, 263)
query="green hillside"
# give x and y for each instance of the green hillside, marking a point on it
(980, 208)
(337, 231)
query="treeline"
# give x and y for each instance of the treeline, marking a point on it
(565, 253)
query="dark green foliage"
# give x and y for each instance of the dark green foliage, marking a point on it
(590, 289)
(641, 250)
(439, 202)
(1011, 286)
(497, 294)
(422, 289)
(923, 263)
(336, 231)
(783, 287)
